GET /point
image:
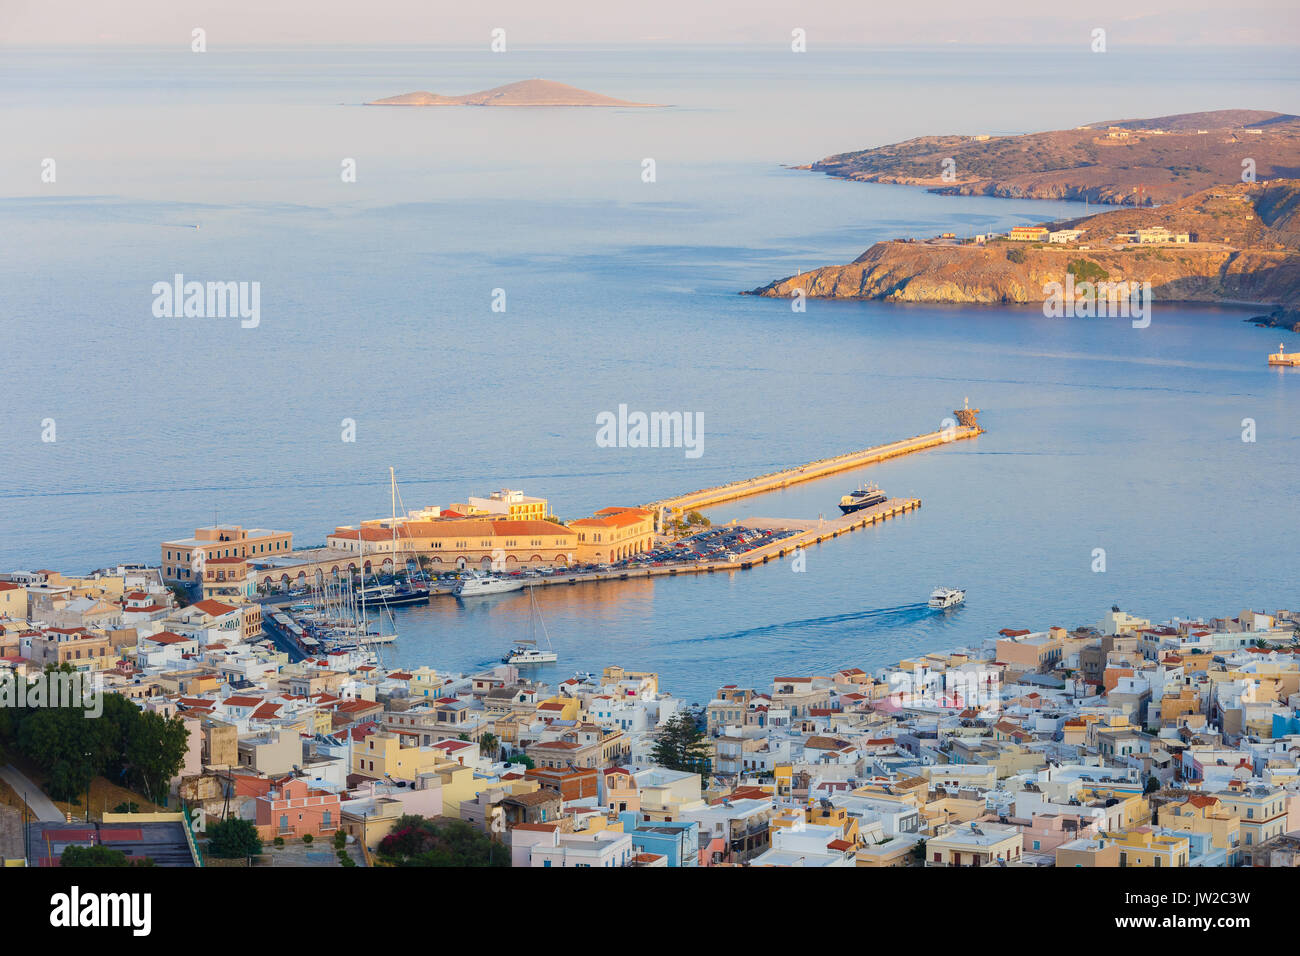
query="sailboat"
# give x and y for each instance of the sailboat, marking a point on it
(525, 652)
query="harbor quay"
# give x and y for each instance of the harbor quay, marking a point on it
(509, 532)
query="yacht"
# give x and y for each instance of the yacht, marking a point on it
(947, 597)
(862, 498)
(476, 584)
(527, 652)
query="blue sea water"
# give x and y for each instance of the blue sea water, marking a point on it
(376, 307)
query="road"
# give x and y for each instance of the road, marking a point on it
(37, 801)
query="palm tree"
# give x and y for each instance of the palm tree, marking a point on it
(489, 745)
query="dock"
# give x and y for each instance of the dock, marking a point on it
(810, 532)
(965, 427)
(1283, 357)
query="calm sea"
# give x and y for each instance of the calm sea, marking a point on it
(376, 307)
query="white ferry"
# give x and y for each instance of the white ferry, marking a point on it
(947, 597)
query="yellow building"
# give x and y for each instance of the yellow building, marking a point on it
(456, 543)
(560, 708)
(1204, 813)
(1088, 852)
(1262, 811)
(13, 601)
(975, 844)
(184, 558)
(505, 504)
(381, 756)
(1144, 847)
(613, 534)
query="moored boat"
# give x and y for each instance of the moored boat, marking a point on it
(862, 498)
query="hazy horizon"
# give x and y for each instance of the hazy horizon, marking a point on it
(687, 22)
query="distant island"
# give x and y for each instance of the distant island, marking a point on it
(1124, 162)
(1232, 243)
(523, 93)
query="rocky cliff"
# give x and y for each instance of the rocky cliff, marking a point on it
(1246, 251)
(1124, 162)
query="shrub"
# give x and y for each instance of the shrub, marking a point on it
(307, 838)
(278, 841)
(1085, 270)
(1016, 255)
(230, 839)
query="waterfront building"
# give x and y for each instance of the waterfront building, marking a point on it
(613, 534)
(506, 503)
(183, 558)
(454, 544)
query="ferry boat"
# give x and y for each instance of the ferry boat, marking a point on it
(524, 653)
(947, 597)
(862, 498)
(479, 584)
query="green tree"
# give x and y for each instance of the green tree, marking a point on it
(682, 745)
(419, 841)
(489, 746)
(101, 856)
(233, 838)
(155, 752)
(522, 759)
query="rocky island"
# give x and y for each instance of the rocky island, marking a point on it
(524, 93)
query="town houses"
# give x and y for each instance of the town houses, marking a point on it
(1124, 743)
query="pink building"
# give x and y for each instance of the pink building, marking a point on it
(1047, 831)
(292, 808)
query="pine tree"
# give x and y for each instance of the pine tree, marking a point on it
(682, 745)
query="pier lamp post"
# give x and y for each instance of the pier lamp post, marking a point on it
(88, 781)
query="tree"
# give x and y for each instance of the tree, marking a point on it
(523, 759)
(1152, 785)
(233, 838)
(101, 856)
(489, 745)
(155, 752)
(681, 744)
(418, 841)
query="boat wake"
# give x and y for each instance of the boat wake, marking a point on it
(882, 616)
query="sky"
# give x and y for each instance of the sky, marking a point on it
(708, 22)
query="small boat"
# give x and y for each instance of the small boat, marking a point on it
(523, 653)
(862, 498)
(478, 584)
(947, 597)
